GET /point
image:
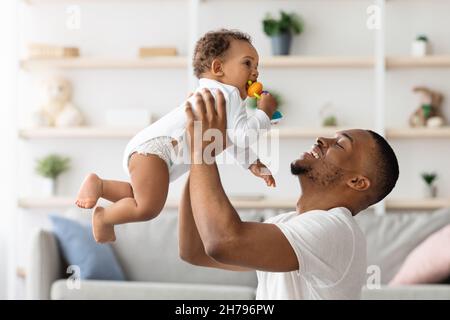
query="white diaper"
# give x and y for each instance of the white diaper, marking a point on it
(161, 147)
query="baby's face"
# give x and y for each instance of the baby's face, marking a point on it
(240, 65)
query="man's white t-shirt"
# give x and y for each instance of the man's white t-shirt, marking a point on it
(331, 252)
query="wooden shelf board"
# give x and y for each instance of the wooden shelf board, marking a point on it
(431, 61)
(282, 132)
(21, 272)
(38, 2)
(78, 132)
(405, 133)
(182, 62)
(393, 62)
(293, 132)
(267, 203)
(317, 62)
(46, 203)
(64, 202)
(105, 63)
(112, 132)
(424, 204)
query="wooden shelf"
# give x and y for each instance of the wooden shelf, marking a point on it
(265, 203)
(46, 203)
(104, 63)
(417, 133)
(119, 133)
(432, 61)
(267, 62)
(21, 272)
(317, 62)
(293, 132)
(438, 61)
(37, 2)
(182, 62)
(391, 133)
(282, 132)
(78, 132)
(65, 202)
(417, 204)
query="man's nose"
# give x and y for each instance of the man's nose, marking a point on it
(324, 142)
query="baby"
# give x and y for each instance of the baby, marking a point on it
(223, 60)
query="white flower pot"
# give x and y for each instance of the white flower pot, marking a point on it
(419, 48)
(430, 191)
(49, 187)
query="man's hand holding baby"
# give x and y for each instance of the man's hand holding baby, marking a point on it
(207, 128)
(203, 140)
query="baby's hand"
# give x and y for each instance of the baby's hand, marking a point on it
(268, 104)
(260, 170)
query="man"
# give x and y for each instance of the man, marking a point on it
(316, 252)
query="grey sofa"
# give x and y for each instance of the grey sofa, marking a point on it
(148, 254)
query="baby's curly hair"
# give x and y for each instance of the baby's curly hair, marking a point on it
(213, 45)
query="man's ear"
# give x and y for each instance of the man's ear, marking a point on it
(359, 183)
(217, 68)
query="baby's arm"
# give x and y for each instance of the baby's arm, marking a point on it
(244, 156)
(244, 129)
(248, 159)
(268, 104)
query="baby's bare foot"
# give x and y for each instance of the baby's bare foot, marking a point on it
(102, 232)
(90, 192)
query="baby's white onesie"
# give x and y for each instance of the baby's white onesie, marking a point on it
(241, 129)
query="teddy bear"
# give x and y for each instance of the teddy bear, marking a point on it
(429, 113)
(58, 110)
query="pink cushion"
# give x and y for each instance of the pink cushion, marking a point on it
(428, 263)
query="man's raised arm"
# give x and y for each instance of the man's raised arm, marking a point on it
(225, 237)
(190, 245)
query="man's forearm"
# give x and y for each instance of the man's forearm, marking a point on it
(190, 244)
(215, 217)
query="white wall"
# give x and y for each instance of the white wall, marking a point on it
(406, 19)
(332, 28)
(118, 30)
(8, 132)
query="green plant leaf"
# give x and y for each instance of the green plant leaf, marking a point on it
(429, 177)
(271, 27)
(288, 22)
(422, 37)
(329, 121)
(52, 166)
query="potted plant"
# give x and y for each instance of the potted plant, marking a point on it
(281, 31)
(328, 115)
(420, 46)
(429, 178)
(50, 167)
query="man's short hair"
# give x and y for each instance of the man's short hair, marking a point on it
(386, 167)
(213, 45)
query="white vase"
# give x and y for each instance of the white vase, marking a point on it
(49, 187)
(430, 191)
(419, 48)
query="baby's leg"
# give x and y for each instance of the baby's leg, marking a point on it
(150, 183)
(93, 188)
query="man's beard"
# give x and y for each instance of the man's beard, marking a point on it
(327, 175)
(297, 170)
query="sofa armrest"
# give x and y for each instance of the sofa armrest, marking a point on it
(410, 292)
(136, 290)
(44, 265)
